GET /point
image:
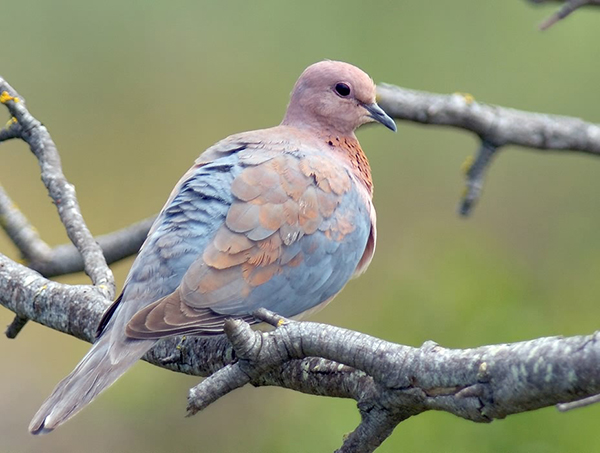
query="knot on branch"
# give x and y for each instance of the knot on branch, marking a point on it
(257, 353)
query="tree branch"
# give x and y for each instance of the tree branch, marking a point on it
(22, 233)
(24, 126)
(65, 259)
(390, 382)
(62, 193)
(498, 125)
(569, 7)
(495, 126)
(480, 384)
(72, 309)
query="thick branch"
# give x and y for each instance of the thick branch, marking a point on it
(390, 382)
(72, 309)
(76, 310)
(495, 126)
(555, 370)
(478, 384)
(500, 126)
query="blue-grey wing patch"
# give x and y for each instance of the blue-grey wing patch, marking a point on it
(193, 213)
(291, 238)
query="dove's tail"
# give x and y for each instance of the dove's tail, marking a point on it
(108, 359)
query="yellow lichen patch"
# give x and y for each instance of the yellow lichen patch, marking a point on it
(40, 291)
(179, 347)
(11, 121)
(469, 98)
(282, 322)
(5, 97)
(467, 164)
(483, 371)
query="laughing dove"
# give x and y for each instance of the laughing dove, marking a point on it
(279, 218)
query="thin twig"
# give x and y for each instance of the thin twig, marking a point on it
(11, 130)
(15, 327)
(59, 189)
(376, 425)
(21, 232)
(475, 174)
(569, 7)
(65, 259)
(578, 404)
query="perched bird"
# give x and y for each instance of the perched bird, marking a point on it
(279, 218)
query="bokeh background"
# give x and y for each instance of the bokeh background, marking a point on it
(133, 91)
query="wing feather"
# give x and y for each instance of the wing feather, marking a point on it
(292, 235)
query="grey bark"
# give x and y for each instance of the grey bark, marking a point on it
(35, 134)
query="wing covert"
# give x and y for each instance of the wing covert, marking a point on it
(292, 237)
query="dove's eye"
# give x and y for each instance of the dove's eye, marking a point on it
(342, 89)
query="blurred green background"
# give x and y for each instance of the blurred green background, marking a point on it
(132, 92)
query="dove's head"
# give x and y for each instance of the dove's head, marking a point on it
(334, 97)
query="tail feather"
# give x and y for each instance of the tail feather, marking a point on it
(101, 366)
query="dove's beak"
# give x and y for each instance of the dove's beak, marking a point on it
(380, 116)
